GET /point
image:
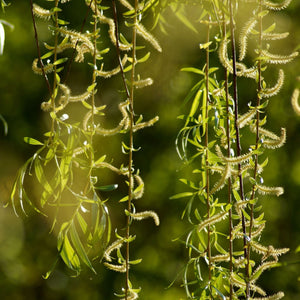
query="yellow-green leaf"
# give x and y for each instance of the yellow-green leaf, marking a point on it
(32, 141)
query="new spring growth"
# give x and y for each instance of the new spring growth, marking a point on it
(116, 70)
(66, 97)
(242, 70)
(132, 295)
(274, 36)
(116, 245)
(244, 37)
(111, 24)
(116, 268)
(141, 83)
(41, 12)
(276, 296)
(261, 268)
(212, 220)
(233, 160)
(268, 251)
(219, 184)
(269, 190)
(276, 6)
(142, 125)
(274, 141)
(244, 119)
(123, 124)
(220, 258)
(237, 230)
(48, 68)
(77, 36)
(139, 191)
(239, 282)
(144, 215)
(294, 101)
(81, 47)
(278, 59)
(270, 92)
(141, 30)
(241, 262)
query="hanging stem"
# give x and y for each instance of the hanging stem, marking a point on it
(259, 88)
(94, 80)
(229, 195)
(95, 66)
(71, 60)
(54, 89)
(115, 13)
(237, 131)
(130, 164)
(39, 50)
(206, 160)
(129, 94)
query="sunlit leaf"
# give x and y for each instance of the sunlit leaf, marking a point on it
(32, 141)
(66, 250)
(78, 247)
(2, 38)
(182, 195)
(107, 188)
(91, 87)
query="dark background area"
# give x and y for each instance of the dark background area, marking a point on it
(28, 251)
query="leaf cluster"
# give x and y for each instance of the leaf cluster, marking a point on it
(223, 206)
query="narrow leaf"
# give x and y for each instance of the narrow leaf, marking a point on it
(78, 247)
(107, 188)
(32, 141)
(181, 195)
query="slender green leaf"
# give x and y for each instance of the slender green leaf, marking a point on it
(182, 195)
(66, 250)
(193, 70)
(107, 188)
(32, 141)
(78, 247)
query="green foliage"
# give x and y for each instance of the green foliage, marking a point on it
(213, 123)
(65, 163)
(226, 151)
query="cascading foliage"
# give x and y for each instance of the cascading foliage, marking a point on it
(66, 166)
(225, 139)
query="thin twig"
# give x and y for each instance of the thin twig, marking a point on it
(118, 48)
(229, 179)
(236, 113)
(39, 50)
(207, 187)
(70, 62)
(259, 88)
(131, 116)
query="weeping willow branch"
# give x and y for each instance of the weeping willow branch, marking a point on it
(237, 130)
(33, 11)
(257, 132)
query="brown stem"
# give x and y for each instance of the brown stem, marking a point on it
(118, 48)
(55, 69)
(130, 96)
(70, 62)
(206, 161)
(94, 79)
(39, 50)
(237, 131)
(229, 195)
(130, 165)
(259, 88)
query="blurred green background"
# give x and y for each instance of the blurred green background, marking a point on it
(28, 251)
